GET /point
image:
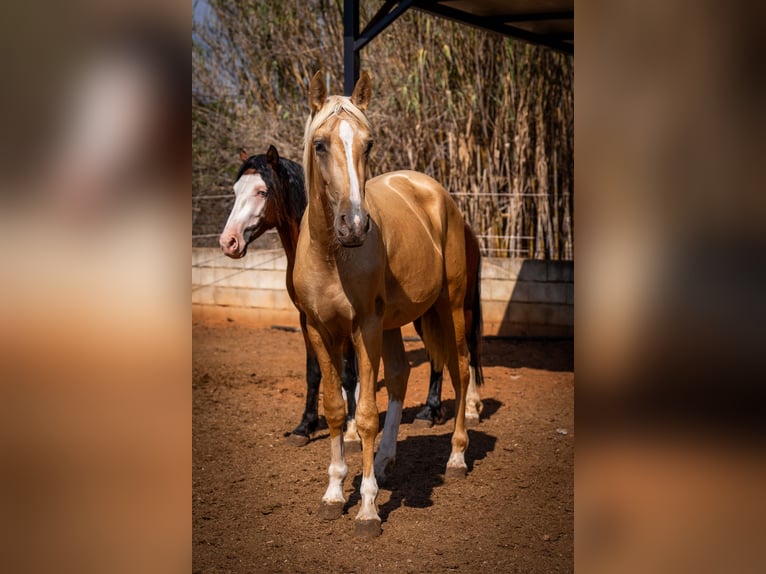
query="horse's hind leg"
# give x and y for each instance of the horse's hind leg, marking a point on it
(351, 439)
(447, 338)
(473, 404)
(433, 412)
(335, 412)
(397, 371)
(457, 362)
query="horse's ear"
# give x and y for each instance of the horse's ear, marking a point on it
(272, 157)
(243, 155)
(362, 91)
(317, 91)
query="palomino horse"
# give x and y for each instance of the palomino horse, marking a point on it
(270, 194)
(374, 255)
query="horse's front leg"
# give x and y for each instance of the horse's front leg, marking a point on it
(310, 420)
(397, 371)
(367, 343)
(329, 359)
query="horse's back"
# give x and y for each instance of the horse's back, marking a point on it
(401, 198)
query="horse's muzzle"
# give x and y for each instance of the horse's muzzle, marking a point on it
(232, 246)
(352, 228)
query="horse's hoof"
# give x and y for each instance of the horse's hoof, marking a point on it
(455, 472)
(297, 440)
(352, 445)
(330, 510)
(383, 476)
(422, 423)
(367, 528)
(471, 421)
(440, 416)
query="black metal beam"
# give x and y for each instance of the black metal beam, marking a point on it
(353, 41)
(494, 25)
(350, 53)
(382, 12)
(536, 17)
(382, 20)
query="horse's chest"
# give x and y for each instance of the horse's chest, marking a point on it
(320, 294)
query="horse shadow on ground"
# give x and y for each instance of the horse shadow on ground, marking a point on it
(548, 354)
(419, 469)
(491, 406)
(535, 353)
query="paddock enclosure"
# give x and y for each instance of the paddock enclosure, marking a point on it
(491, 119)
(255, 498)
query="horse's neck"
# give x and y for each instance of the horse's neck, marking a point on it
(320, 215)
(288, 235)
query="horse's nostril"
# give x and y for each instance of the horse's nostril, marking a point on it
(343, 228)
(232, 243)
(367, 224)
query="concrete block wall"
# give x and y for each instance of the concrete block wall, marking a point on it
(527, 298)
(520, 297)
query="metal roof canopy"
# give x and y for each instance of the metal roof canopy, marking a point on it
(545, 22)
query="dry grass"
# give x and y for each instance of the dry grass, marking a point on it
(490, 118)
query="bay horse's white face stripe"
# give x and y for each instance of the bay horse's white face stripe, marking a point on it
(347, 137)
(250, 191)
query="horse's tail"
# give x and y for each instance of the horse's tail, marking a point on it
(472, 306)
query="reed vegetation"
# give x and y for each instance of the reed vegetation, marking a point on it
(491, 118)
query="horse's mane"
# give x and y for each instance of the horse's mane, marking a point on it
(334, 105)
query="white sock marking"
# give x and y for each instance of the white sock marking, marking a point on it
(351, 434)
(369, 491)
(473, 405)
(337, 471)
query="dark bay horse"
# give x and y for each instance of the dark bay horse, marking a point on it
(276, 199)
(270, 193)
(372, 256)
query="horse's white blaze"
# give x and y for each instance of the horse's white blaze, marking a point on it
(369, 491)
(337, 471)
(347, 137)
(248, 205)
(387, 446)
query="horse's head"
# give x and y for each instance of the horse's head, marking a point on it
(338, 143)
(254, 209)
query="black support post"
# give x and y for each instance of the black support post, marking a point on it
(350, 54)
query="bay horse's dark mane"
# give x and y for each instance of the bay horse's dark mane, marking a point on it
(289, 193)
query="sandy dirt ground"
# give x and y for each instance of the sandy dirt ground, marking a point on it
(255, 498)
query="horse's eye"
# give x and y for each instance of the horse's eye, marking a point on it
(319, 146)
(368, 147)
(263, 193)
